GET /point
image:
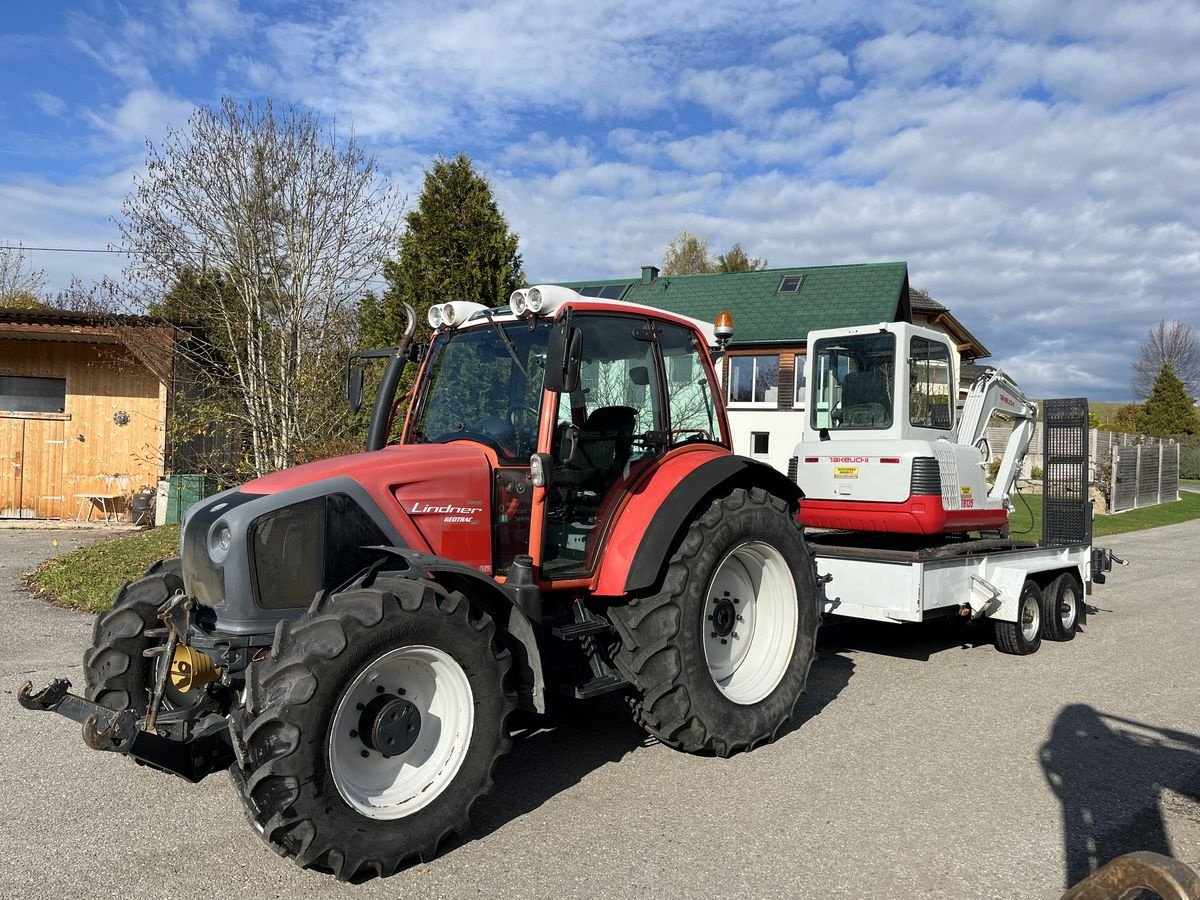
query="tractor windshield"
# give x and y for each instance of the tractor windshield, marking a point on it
(484, 384)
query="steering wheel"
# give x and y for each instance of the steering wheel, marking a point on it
(524, 422)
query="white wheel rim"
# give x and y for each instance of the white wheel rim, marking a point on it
(1068, 607)
(1031, 618)
(393, 787)
(751, 612)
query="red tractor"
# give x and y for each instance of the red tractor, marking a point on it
(562, 515)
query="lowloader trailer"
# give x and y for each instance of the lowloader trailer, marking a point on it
(1030, 590)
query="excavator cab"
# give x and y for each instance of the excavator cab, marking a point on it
(883, 448)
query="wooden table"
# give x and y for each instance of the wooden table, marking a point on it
(101, 501)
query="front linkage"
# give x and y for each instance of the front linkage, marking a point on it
(209, 748)
(122, 732)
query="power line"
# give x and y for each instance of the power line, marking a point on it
(66, 249)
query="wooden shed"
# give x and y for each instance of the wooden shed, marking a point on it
(83, 410)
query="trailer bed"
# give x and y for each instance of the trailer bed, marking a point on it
(911, 578)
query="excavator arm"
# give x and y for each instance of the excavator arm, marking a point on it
(996, 394)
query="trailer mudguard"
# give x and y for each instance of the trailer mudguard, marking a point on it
(498, 603)
(713, 475)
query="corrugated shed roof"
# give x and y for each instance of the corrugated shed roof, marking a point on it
(69, 317)
(829, 297)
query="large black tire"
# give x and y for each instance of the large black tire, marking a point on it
(116, 673)
(1062, 603)
(662, 649)
(1024, 636)
(288, 783)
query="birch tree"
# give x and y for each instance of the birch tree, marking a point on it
(21, 285)
(263, 230)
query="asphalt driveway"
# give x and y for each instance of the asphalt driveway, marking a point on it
(919, 764)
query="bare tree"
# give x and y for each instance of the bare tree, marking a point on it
(21, 285)
(1168, 343)
(263, 230)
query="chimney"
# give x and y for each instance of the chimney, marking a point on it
(649, 274)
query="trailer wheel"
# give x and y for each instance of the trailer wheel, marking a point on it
(1023, 636)
(1061, 601)
(116, 673)
(373, 727)
(721, 655)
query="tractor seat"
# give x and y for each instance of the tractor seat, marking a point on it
(605, 445)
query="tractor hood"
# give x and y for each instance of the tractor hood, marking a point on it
(435, 495)
(269, 545)
(397, 464)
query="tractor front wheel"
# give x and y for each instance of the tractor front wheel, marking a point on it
(373, 727)
(115, 670)
(721, 655)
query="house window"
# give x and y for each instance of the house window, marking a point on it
(790, 284)
(760, 443)
(754, 380)
(19, 393)
(801, 385)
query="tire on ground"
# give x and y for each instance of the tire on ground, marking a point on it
(1062, 601)
(116, 673)
(287, 782)
(1024, 636)
(662, 649)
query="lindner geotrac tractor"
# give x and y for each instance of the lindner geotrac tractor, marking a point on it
(562, 514)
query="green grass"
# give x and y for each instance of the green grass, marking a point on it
(1184, 509)
(88, 578)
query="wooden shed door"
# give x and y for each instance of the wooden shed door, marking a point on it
(41, 488)
(12, 437)
(31, 465)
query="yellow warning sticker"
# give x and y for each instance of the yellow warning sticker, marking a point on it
(845, 471)
(965, 491)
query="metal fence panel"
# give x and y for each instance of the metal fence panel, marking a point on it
(1124, 481)
(1144, 475)
(1147, 489)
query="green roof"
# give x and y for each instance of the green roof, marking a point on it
(828, 297)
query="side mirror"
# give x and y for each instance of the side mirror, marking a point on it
(564, 355)
(354, 387)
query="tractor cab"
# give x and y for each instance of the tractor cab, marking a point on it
(570, 401)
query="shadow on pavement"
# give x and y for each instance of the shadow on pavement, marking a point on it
(916, 640)
(552, 754)
(1109, 774)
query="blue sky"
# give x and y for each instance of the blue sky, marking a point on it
(1035, 163)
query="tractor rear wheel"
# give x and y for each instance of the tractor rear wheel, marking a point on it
(116, 673)
(721, 654)
(373, 727)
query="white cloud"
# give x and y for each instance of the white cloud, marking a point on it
(50, 104)
(143, 113)
(1035, 163)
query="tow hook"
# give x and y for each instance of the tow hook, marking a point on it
(103, 728)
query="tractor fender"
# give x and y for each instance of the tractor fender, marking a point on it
(667, 505)
(492, 598)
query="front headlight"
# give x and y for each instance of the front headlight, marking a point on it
(220, 540)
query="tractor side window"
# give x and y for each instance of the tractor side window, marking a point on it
(852, 387)
(690, 392)
(931, 401)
